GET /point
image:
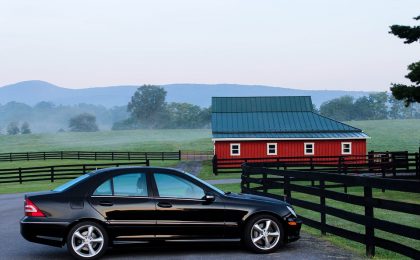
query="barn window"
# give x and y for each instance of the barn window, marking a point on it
(309, 149)
(345, 148)
(271, 149)
(235, 149)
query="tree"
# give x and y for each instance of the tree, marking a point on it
(408, 93)
(184, 115)
(338, 108)
(25, 129)
(147, 105)
(13, 128)
(84, 122)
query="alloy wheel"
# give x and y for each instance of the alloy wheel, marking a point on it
(87, 241)
(265, 234)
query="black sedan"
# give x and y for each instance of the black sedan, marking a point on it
(125, 205)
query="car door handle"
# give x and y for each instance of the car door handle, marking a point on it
(106, 203)
(164, 205)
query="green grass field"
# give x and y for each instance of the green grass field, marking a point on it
(385, 135)
(133, 140)
(391, 135)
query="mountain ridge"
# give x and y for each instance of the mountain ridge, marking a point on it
(32, 92)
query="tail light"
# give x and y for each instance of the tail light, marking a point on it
(31, 210)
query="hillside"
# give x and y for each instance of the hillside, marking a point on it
(32, 92)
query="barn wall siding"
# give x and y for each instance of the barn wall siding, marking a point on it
(255, 149)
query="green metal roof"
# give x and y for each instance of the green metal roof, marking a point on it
(261, 104)
(274, 117)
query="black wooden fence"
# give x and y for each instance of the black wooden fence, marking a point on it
(86, 155)
(258, 179)
(56, 172)
(386, 164)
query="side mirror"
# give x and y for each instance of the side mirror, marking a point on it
(209, 197)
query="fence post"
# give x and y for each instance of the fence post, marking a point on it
(78, 155)
(44, 156)
(287, 192)
(418, 165)
(370, 160)
(345, 185)
(10, 156)
(311, 160)
(264, 182)
(61, 155)
(84, 169)
(96, 156)
(20, 175)
(394, 165)
(112, 156)
(27, 156)
(163, 158)
(214, 161)
(52, 173)
(179, 155)
(129, 156)
(322, 204)
(147, 162)
(369, 230)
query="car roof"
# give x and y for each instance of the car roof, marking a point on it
(113, 169)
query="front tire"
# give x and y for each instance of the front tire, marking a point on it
(87, 240)
(263, 234)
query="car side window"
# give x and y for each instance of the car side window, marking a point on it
(132, 184)
(104, 189)
(173, 186)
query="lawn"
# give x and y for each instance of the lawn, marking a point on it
(385, 135)
(130, 140)
(391, 135)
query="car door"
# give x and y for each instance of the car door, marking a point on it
(182, 210)
(125, 201)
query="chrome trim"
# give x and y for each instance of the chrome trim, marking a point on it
(34, 222)
(135, 222)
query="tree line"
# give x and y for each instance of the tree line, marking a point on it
(375, 106)
(148, 109)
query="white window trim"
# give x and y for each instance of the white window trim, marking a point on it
(342, 148)
(239, 149)
(268, 148)
(313, 148)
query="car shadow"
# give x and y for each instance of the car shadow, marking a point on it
(172, 248)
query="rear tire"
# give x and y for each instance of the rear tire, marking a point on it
(263, 234)
(87, 240)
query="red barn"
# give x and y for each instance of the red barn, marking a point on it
(284, 126)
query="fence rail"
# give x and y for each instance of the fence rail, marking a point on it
(56, 172)
(261, 179)
(86, 155)
(386, 164)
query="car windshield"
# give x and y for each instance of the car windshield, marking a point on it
(71, 183)
(205, 183)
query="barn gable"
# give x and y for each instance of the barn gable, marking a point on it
(283, 117)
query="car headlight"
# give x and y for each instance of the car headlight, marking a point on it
(292, 211)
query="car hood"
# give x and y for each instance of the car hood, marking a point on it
(243, 196)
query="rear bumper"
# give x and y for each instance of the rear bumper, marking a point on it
(293, 226)
(43, 231)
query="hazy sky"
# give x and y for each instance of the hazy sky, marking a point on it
(299, 44)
